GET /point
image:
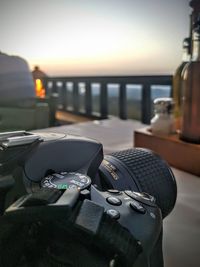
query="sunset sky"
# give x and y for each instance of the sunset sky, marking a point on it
(96, 37)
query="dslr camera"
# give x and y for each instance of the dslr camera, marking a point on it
(63, 203)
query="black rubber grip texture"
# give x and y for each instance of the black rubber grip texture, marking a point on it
(153, 175)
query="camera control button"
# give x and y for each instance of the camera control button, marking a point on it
(114, 191)
(143, 197)
(129, 193)
(133, 194)
(113, 214)
(147, 197)
(137, 207)
(114, 201)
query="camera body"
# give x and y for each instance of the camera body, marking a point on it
(94, 188)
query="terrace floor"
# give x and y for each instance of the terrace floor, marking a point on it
(182, 226)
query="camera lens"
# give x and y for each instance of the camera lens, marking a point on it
(140, 170)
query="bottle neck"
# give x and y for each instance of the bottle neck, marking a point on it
(186, 56)
(196, 47)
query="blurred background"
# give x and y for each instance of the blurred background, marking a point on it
(81, 64)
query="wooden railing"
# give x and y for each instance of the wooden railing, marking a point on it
(75, 94)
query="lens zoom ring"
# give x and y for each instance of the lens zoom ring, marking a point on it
(153, 175)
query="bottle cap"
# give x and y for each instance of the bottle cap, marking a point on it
(163, 105)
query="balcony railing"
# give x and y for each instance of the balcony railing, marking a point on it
(124, 96)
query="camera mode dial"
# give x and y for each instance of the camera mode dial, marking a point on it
(66, 180)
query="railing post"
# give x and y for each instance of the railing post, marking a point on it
(146, 103)
(171, 91)
(64, 95)
(88, 99)
(104, 101)
(45, 84)
(54, 87)
(122, 102)
(75, 98)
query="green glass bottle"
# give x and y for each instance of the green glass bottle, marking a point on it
(177, 85)
(190, 130)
